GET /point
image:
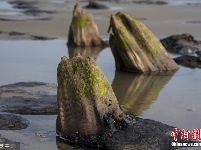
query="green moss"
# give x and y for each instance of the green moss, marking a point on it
(102, 87)
(123, 38)
(80, 21)
(88, 77)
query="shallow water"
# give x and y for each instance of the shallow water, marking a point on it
(7, 9)
(172, 98)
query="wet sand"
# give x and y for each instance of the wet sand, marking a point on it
(163, 20)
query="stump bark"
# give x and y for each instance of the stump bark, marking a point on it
(135, 48)
(84, 96)
(83, 30)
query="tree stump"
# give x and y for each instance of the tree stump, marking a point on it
(89, 114)
(83, 30)
(84, 96)
(135, 48)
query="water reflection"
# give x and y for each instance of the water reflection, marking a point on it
(85, 51)
(136, 92)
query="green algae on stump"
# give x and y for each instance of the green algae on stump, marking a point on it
(83, 30)
(135, 48)
(84, 97)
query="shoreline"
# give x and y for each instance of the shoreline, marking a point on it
(162, 20)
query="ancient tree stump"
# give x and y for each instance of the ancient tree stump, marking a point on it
(135, 48)
(84, 97)
(83, 30)
(89, 114)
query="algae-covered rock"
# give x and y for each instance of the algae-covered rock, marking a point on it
(84, 97)
(135, 48)
(83, 30)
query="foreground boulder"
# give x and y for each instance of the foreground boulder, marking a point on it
(135, 48)
(83, 30)
(89, 114)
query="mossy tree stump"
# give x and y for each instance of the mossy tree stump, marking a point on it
(135, 48)
(84, 96)
(83, 30)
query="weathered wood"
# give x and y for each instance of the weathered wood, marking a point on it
(84, 97)
(89, 114)
(83, 30)
(135, 48)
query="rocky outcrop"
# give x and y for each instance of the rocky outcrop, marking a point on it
(94, 5)
(89, 115)
(189, 61)
(182, 42)
(83, 30)
(187, 46)
(33, 98)
(135, 48)
(12, 122)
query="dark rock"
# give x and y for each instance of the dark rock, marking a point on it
(139, 134)
(189, 61)
(16, 33)
(144, 134)
(20, 35)
(83, 30)
(135, 48)
(148, 2)
(186, 45)
(29, 98)
(36, 12)
(3, 140)
(94, 5)
(29, 8)
(34, 37)
(12, 122)
(196, 22)
(176, 42)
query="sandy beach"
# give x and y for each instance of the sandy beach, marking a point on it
(33, 40)
(163, 20)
